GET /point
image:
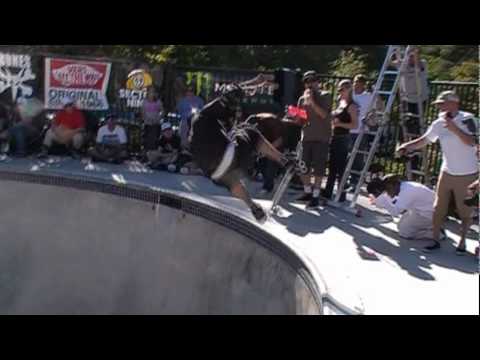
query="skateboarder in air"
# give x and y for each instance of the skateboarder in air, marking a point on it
(224, 147)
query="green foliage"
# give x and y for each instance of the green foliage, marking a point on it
(446, 62)
(452, 62)
(349, 63)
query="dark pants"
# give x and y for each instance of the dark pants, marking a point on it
(151, 135)
(269, 171)
(21, 135)
(339, 149)
(109, 153)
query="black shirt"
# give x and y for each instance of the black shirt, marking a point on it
(344, 117)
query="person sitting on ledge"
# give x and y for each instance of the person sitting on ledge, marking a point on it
(111, 143)
(68, 129)
(168, 154)
(27, 122)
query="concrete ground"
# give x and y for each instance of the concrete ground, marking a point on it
(362, 260)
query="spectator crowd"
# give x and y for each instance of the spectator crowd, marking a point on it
(328, 134)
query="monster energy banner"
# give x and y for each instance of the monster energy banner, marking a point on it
(16, 76)
(210, 83)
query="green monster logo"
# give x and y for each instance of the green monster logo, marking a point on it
(203, 82)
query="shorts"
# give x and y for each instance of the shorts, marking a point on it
(315, 156)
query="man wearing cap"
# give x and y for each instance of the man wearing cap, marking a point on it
(316, 136)
(456, 131)
(168, 152)
(67, 129)
(111, 143)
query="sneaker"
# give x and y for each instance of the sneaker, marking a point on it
(43, 154)
(184, 171)
(305, 197)
(461, 250)
(258, 213)
(314, 203)
(435, 246)
(443, 235)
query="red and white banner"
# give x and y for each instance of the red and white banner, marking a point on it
(84, 81)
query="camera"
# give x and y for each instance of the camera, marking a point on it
(472, 201)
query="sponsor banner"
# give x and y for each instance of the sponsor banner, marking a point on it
(135, 93)
(86, 82)
(16, 75)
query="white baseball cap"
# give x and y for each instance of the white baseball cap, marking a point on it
(68, 101)
(166, 126)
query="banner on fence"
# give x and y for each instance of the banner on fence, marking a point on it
(84, 81)
(135, 93)
(16, 75)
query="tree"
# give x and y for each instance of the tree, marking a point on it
(349, 63)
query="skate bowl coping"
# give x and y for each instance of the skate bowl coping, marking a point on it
(82, 246)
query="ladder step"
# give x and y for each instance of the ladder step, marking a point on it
(387, 93)
(410, 115)
(374, 133)
(391, 72)
(363, 152)
(355, 172)
(417, 172)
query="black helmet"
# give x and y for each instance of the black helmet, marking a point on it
(233, 95)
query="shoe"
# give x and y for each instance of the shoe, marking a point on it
(443, 235)
(43, 154)
(461, 250)
(314, 203)
(435, 246)
(305, 198)
(258, 213)
(184, 171)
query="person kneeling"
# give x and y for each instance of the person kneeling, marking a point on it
(111, 144)
(168, 152)
(411, 201)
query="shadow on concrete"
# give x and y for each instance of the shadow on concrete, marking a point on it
(406, 254)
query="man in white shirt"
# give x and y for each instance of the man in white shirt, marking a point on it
(411, 201)
(456, 130)
(111, 143)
